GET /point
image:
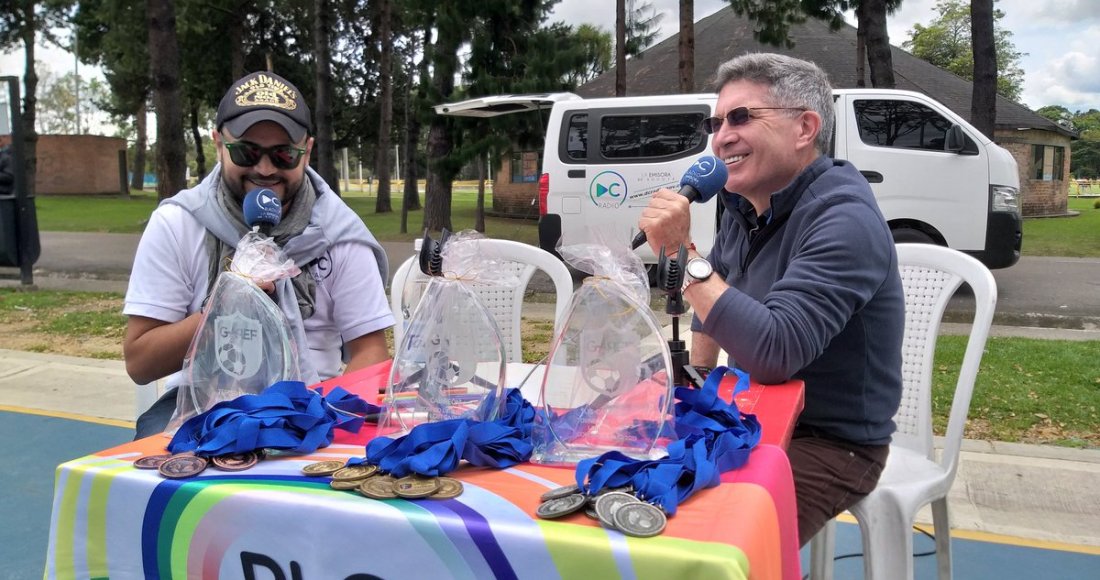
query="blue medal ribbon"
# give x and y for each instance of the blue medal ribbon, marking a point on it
(435, 449)
(714, 437)
(285, 416)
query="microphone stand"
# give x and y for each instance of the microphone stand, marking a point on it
(670, 277)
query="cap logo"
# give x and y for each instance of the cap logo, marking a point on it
(264, 91)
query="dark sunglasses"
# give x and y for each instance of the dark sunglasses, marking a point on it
(738, 116)
(245, 154)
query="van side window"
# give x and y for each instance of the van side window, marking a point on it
(576, 137)
(649, 135)
(905, 125)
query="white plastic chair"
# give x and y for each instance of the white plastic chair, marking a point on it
(913, 477)
(505, 303)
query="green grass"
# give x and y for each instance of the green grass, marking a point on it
(1071, 237)
(387, 227)
(69, 314)
(1075, 237)
(1027, 390)
(129, 215)
(116, 214)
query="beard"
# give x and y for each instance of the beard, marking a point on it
(239, 187)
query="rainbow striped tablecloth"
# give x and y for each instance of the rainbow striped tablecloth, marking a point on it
(113, 520)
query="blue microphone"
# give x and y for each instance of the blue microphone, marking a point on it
(702, 181)
(262, 210)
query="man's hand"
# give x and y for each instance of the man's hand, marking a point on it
(666, 221)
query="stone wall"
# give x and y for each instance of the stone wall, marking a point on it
(1039, 196)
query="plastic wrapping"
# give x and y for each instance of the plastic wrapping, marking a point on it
(451, 361)
(607, 385)
(243, 344)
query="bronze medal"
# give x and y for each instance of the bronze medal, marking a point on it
(182, 466)
(150, 461)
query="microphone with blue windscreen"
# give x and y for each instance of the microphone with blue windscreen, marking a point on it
(262, 210)
(700, 182)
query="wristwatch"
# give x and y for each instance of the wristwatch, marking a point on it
(696, 270)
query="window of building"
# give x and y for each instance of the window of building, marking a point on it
(905, 125)
(1047, 163)
(525, 166)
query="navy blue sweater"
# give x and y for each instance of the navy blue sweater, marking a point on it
(815, 295)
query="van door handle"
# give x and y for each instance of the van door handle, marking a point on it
(575, 173)
(872, 176)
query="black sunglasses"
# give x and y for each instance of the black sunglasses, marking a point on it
(738, 116)
(245, 154)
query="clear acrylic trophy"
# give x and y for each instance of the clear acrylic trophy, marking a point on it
(607, 385)
(451, 361)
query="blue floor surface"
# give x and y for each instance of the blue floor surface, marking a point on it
(34, 445)
(971, 560)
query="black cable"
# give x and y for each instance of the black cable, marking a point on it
(860, 554)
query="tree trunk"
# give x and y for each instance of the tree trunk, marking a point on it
(878, 44)
(30, 88)
(620, 48)
(236, 43)
(324, 147)
(196, 135)
(861, 46)
(479, 213)
(687, 46)
(983, 103)
(437, 200)
(382, 203)
(165, 68)
(137, 180)
(411, 199)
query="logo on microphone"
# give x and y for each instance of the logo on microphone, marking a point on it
(608, 189)
(704, 166)
(268, 201)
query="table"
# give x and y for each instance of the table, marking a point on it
(110, 519)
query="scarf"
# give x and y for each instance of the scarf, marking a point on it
(292, 225)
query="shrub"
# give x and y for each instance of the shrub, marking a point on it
(1096, 204)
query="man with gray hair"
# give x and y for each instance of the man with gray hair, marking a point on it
(805, 280)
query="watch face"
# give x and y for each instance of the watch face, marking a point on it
(699, 268)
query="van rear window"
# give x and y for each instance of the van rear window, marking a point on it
(576, 137)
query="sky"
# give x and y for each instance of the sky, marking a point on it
(1059, 37)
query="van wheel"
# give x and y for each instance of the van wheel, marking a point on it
(911, 236)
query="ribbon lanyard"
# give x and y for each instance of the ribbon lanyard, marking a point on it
(285, 416)
(434, 449)
(712, 438)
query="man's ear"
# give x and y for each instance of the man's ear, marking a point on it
(309, 149)
(809, 125)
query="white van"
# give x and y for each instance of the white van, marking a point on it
(937, 179)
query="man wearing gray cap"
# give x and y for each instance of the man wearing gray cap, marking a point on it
(337, 307)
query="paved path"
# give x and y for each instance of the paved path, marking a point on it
(1045, 292)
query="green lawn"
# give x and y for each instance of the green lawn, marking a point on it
(1073, 237)
(115, 214)
(1027, 390)
(1076, 237)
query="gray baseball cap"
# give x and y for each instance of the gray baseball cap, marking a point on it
(264, 96)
